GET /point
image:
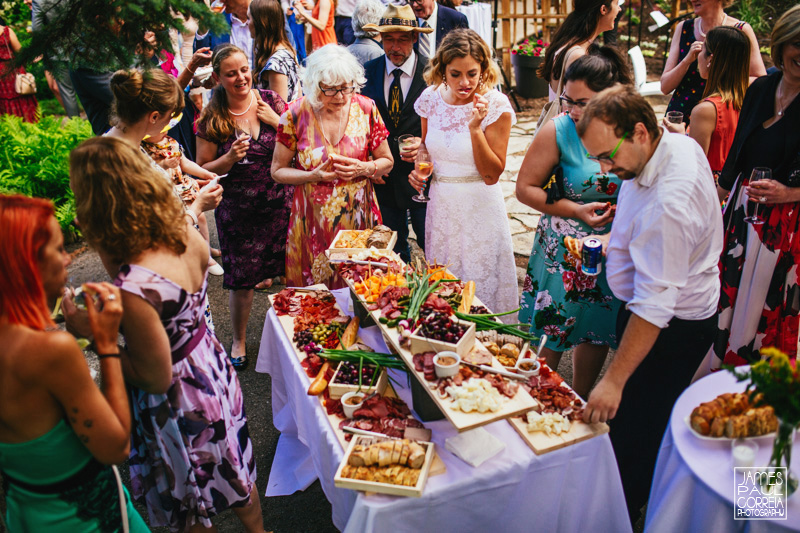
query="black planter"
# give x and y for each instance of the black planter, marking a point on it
(529, 85)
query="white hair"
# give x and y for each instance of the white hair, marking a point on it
(332, 65)
(366, 12)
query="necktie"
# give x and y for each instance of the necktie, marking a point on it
(424, 40)
(395, 97)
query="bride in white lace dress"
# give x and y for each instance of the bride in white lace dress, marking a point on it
(465, 127)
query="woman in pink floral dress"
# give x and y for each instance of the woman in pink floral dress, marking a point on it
(337, 141)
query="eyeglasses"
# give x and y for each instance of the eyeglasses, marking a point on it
(412, 2)
(331, 91)
(567, 104)
(610, 157)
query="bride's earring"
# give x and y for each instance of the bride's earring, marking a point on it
(480, 81)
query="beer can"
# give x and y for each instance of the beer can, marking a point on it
(591, 257)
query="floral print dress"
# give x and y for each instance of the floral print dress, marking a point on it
(558, 300)
(191, 455)
(321, 209)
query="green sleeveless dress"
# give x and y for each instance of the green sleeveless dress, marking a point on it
(54, 484)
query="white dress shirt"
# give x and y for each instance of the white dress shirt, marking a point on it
(405, 79)
(666, 239)
(240, 36)
(431, 21)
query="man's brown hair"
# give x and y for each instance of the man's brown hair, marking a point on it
(620, 106)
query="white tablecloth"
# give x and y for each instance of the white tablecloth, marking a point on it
(693, 486)
(575, 489)
(479, 17)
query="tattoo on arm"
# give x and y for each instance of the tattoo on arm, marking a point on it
(87, 423)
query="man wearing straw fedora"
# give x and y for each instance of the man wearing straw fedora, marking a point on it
(394, 81)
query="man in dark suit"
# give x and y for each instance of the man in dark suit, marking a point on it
(442, 19)
(394, 81)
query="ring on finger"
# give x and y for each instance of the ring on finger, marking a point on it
(111, 297)
(762, 199)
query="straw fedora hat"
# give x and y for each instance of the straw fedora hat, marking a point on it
(397, 18)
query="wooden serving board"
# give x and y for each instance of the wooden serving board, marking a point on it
(287, 322)
(332, 248)
(541, 443)
(521, 403)
(384, 488)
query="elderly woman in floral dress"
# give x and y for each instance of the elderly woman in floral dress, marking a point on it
(337, 141)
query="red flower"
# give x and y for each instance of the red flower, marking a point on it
(584, 282)
(514, 52)
(568, 278)
(540, 42)
(611, 188)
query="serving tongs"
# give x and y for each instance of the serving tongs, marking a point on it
(493, 370)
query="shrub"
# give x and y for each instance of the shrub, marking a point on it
(34, 161)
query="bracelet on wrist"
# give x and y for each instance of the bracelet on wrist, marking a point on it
(192, 216)
(374, 170)
(105, 355)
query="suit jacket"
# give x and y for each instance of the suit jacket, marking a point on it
(448, 19)
(397, 192)
(758, 106)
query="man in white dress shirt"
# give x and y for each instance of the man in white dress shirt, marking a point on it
(661, 261)
(240, 31)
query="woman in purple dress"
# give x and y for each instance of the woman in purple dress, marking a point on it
(191, 455)
(253, 217)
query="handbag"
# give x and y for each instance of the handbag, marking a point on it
(24, 82)
(552, 108)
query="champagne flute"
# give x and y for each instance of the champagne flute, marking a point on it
(243, 132)
(759, 173)
(424, 167)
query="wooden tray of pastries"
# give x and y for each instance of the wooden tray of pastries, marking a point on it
(384, 465)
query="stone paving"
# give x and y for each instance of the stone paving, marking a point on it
(523, 219)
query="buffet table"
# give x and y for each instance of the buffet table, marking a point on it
(693, 485)
(515, 490)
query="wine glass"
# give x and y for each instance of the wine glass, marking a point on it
(424, 167)
(759, 173)
(243, 132)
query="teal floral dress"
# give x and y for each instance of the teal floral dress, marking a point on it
(557, 298)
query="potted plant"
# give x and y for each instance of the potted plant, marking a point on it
(775, 381)
(526, 58)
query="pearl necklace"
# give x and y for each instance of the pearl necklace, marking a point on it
(699, 26)
(252, 97)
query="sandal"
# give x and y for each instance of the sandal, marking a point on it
(239, 363)
(263, 286)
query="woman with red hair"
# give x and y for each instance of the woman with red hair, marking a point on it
(58, 431)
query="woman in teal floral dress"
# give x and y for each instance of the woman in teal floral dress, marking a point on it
(558, 300)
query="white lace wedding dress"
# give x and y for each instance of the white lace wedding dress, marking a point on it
(466, 225)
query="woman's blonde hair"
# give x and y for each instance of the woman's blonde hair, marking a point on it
(124, 205)
(139, 92)
(786, 31)
(462, 42)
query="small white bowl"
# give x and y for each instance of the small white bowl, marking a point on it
(349, 410)
(446, 371)
(528, 373)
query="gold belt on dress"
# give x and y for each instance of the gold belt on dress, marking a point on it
(457, 179)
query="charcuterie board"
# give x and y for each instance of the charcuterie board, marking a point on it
(541, 443)
(287, 324)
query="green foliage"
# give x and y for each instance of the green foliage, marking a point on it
(15, 13)
(778, 380)
(756, 13)
(108, 34)
(34, 160)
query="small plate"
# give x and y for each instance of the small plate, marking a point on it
(688, 422)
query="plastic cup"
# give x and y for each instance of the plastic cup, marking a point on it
(675, 117)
